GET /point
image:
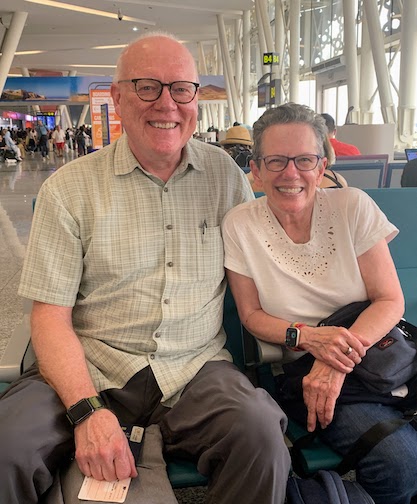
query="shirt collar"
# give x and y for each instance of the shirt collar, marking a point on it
(125, 161)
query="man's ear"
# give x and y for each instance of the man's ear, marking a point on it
(115, 93)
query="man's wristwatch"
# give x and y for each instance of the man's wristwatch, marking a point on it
(81, 410)
(292, 336)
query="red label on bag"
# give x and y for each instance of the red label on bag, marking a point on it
(386, 342)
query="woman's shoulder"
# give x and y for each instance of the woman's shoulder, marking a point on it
(245, 212)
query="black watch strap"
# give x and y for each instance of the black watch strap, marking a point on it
(81, 410)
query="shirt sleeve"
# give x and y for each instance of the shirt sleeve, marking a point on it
(234, 258)
(53, 263)
(368, 223)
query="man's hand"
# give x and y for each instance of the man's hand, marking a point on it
(102, 450)
(321, 388)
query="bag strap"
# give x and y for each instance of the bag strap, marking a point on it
(333, 178)
(409, 329)
(364, 444)
(371, 438)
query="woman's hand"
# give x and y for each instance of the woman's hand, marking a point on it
(335, 346)
(321, 388)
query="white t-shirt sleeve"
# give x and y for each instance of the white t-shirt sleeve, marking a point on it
(233, 230)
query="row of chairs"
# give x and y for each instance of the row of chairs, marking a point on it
(400, 205)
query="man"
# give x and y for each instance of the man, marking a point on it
(42, 135)
(125, 264)
(340, 148)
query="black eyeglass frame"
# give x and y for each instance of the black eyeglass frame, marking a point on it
(163, 84)
(294, 159)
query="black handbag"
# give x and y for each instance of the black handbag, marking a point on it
(390, 362)
(384, 368)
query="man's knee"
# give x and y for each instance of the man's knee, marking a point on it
(258, 422)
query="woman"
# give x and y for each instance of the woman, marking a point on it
(298, 254)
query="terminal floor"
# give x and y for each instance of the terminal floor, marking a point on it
(19, 184)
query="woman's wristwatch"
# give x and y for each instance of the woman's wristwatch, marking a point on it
(292, 336)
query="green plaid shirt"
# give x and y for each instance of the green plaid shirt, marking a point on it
(139, 260)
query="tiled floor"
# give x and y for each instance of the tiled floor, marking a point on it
(19, 184)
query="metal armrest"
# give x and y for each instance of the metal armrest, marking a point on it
(18, 354)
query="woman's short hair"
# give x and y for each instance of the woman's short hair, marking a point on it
(289, 113)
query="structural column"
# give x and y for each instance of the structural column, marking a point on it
(351, 56)
(378, 51)
(246, 67)
(295, 16)
(367, 79)
(227, 64)
(203, 68)
(408, 74)
(83, 115)
(279, 39)
(10, 43)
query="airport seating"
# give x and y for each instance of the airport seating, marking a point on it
(365, 171)
(394, 172)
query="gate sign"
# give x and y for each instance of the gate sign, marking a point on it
(271, 58)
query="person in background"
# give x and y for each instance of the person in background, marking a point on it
(125, 267)
(31, 141)
(58, 137)
(294, 257)
(11, 145)
(42, 136)
(81, 139)
(340, 148)
(409, 174)
(238, 144)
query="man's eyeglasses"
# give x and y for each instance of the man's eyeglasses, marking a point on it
(150, 90)
(304, 162)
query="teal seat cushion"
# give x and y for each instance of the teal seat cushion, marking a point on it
(183, 473)
(316, 456)
(3, 386)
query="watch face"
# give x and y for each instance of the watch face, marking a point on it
(79, 411)
(291, 339)
(84, 408)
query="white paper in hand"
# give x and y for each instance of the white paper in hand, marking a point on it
(104, 491)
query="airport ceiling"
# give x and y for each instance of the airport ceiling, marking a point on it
(67, 38)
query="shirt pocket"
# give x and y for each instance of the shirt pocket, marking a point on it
(201, 255)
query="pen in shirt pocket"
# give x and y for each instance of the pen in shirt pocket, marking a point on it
(203, 227)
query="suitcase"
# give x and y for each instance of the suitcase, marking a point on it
(327, 487)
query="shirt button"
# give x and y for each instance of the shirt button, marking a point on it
(170, 226)
(152, 356)
(170, 264)
(165, 189)
(166, 301)
(157, 335)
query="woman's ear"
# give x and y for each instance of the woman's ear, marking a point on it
(255, 180)
(321, 169)
(254, 169)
